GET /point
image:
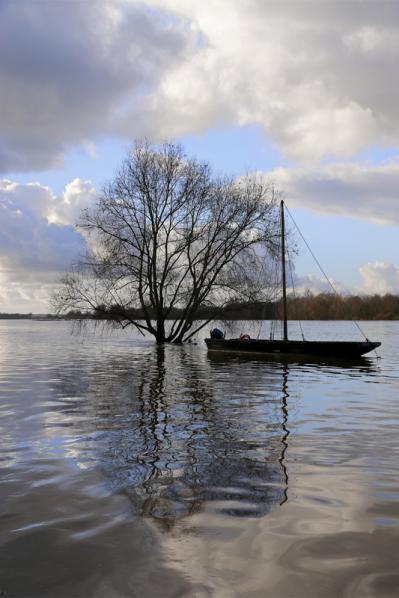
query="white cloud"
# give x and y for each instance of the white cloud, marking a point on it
(379, 278)
(78, 195)
(299, 284)
(24, 297)
(320, 76)
(36, 231)
(347, 189)
(314, 284)
(366, 39)
(37, 240)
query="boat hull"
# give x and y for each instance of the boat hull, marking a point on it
(316, 348)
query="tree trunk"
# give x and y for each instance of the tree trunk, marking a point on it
(160, 334)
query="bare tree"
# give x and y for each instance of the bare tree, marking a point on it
(167, 237)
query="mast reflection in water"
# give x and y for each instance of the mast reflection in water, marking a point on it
(178, 431)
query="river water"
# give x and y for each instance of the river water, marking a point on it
(128, 469)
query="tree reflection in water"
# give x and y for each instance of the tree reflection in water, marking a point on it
(179, 432)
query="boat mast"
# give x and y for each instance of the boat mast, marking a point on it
(285, 335)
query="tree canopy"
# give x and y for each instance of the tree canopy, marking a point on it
(168, 233)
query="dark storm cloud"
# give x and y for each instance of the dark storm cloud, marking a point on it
(69, 70)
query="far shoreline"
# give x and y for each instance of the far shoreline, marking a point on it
(320, 307)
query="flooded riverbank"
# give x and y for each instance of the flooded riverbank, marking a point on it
(134, 470)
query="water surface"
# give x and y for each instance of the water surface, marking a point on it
(128, 469)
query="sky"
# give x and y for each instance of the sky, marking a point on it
(301, 92)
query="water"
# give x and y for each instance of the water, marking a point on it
(132, 470)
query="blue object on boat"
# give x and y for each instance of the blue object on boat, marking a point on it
(216, 333)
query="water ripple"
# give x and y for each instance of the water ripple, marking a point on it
(154, 459)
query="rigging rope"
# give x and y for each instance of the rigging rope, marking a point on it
(293, 288)
(320, 267)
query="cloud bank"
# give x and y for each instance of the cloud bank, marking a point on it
(366, 191)
(319, 76)
(38, 242)
(379, 278)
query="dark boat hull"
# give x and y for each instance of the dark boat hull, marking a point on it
(317, 348)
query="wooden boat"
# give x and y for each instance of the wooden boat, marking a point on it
(344, 349)
(340, 349)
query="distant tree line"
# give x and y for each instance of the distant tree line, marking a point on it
(328, 306)
(4, 316)
(323, 306)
